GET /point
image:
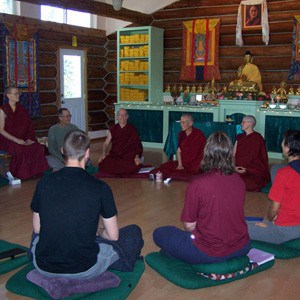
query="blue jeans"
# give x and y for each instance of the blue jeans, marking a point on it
(179, 244)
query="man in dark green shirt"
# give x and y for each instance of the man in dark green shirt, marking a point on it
(56, 137)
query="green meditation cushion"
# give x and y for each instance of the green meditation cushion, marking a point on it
(286, 250)
(185, 275)
(9, 264)
(228, 266)
(19, 284)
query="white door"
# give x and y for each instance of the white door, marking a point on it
(72, 85)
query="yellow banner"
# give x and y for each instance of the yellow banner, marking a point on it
(200, 25)
(199, 36)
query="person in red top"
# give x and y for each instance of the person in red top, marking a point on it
(124, 157)
(283, 222)
(191, 143)
(251, 157)
(17, 137)
(213, 212)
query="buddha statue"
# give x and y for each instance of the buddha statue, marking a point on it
(224, 89)
(213, 88)
(281, 93)
(180, 88)
(199, 90)
(274, 90)
(298, 91)
(249, 77)
(187, 89)
(206, 88)
(291, 91)
(174, 89)
(168, 89)
(193, 90)
(212, 91)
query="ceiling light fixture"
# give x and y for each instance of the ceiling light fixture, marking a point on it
(117, 4)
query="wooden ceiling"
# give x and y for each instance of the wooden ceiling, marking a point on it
(98, 8)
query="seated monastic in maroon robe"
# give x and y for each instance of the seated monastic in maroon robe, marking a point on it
(251, 153)
(191, 147)
(125, 145)
(27, 160)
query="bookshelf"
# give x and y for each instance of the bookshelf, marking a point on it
(140, 65)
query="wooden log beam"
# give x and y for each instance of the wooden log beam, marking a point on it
(99, 9)
(237, 52)
(201, 12)
(226, 19)
(35, 25)
(195, 3)
(279, 27)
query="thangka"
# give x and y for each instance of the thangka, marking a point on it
(200, 50)
(294, 73)
(20, 64)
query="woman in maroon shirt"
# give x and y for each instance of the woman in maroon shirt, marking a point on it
(213, 212)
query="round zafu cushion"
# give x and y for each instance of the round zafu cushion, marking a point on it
(229, 266)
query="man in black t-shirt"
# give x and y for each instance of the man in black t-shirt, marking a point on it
(70, 207)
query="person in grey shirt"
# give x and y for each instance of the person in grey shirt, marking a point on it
(56, 137)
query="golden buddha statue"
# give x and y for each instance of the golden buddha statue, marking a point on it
(206, 88)
(274, 90)
(168, 89)
(281, 93)
(193, 90)
(249, 77)
(174, 89)
(224, 89)
(298, 90)
(199, 90)
(180, 89)
(187, 89)
(212, 91)
(213, 88)
(291, 91)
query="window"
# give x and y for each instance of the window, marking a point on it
(78, 18)
(6, 6)
(60, 15)
(54, 14)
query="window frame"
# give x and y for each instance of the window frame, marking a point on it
(65, 16)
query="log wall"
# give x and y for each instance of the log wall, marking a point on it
(273, 59)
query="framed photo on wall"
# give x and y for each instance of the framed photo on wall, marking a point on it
(252, 15)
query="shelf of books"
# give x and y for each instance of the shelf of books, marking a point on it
(140, 65)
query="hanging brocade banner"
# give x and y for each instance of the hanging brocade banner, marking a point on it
(20, 64)
(200, 50)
